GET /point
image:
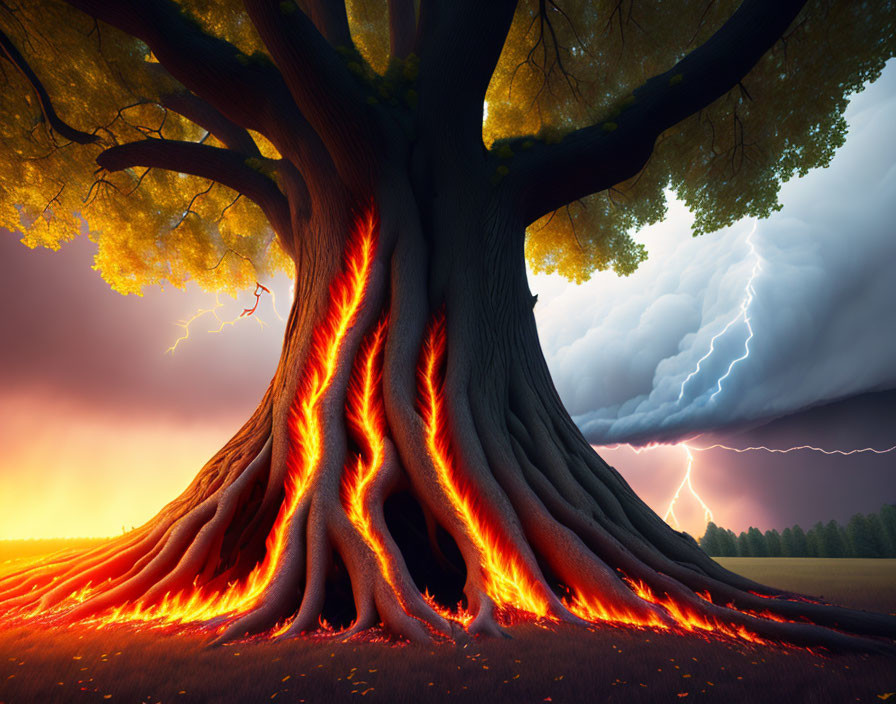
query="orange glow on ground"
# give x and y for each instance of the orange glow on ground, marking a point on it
(694, 622)
(590, 608)
(508, 582)
(306, 448)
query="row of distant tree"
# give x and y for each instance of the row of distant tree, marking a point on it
(872, 535)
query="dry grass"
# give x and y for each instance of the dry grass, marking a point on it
(859, 583)
(563, 665)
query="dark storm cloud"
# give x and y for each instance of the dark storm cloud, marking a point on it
(805, 486)
(67, 336)
(822, 310)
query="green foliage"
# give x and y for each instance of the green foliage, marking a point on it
(158, 227)
(863, 536)
(710, 542)
(725, 163)
(773, 543)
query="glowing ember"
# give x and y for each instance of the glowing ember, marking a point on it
(508, 582)
(692, 621)
(306, 448)
(515, 590)
(365, 415)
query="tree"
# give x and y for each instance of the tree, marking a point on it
(813, 542)
(756, 540)
(773, 541)
(730, 543)
(744, 548)
(861, 537)
(800, 542)
(879, 534)
(710, 541)
(345, 143)
(887, 515)
(833, 540)
(787, 544)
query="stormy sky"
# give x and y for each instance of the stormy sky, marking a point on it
(99, 426)
(732, 337)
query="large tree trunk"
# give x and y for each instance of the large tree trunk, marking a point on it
(412, 397)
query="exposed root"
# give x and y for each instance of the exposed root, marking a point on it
(378, 403)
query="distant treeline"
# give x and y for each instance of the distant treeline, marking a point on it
(873, 535)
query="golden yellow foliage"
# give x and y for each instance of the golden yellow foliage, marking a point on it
(150, 227)
(575, 66)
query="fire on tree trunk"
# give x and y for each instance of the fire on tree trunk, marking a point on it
(433, 386)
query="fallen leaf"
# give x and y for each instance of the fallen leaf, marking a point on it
(885, 695)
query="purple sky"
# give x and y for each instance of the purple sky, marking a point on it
(99, 427)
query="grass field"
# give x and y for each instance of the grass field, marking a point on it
(858, 583)
(558, 665)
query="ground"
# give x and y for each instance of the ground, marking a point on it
(558, 665)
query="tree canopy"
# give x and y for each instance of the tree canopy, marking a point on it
(74, 87)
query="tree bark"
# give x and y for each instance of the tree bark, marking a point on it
(411, 364)
(410, 367)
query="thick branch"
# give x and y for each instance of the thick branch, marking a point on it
(453, 81)
(402, 27)
(317, 79)
(222, 165)
(250, 93)
(331, 21)
(55, 123)
(595, 158)
(200, 112)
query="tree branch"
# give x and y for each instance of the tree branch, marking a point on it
(222, 165)
(331, 21)
(402, 27)
(53, 121)
(247, 91)
(318, 80)
(453, 81)
(200, 112)
(594, 158)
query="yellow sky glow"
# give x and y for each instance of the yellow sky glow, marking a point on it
(69, 472)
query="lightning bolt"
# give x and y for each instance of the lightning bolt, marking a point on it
(670, 512)
(763, 448)
(743, 314)
(222, 322)
(686, 482)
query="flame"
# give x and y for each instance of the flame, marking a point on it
(365, 415)
(692, 621)
(590, 608)
(306, 450)
(460, 615)
(508, 582)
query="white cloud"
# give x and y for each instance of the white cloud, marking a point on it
(823, 312)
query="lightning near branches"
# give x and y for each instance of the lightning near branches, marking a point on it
(222, 322)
